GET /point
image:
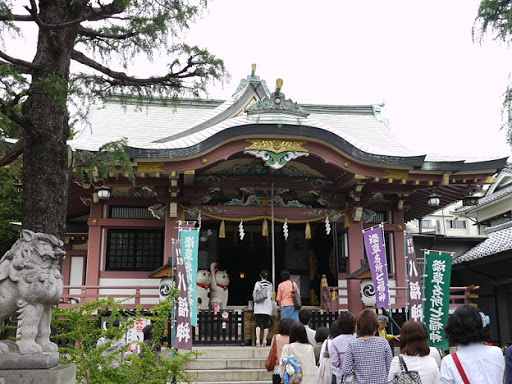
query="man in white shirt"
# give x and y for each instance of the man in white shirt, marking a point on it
(305, 319)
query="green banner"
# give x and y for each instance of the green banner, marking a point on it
(437, 296)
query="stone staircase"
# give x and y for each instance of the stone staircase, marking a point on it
(230, 364)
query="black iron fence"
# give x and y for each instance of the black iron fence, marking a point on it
(323, 318)
(229, 327)
(224, 327)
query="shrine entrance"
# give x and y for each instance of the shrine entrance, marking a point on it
(244, 259)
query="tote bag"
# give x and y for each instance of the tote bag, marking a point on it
(325, 368)
(297, 303)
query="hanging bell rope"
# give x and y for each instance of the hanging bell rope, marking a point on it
(263, 217)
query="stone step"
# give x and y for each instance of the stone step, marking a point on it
(229, 375)
(228, 365)
(229, 352)
(230, 382)
(199, 364)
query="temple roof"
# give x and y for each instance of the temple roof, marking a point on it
(499, 240)
(500, 189)
(159, 131)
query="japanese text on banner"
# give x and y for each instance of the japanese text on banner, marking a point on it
(437, 294)
(414, 283)
(376, 252)
(183, 338)
(189, 240)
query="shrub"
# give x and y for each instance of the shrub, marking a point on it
(80, 329)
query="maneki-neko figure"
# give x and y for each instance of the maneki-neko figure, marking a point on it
(219, 291)
(204, 281)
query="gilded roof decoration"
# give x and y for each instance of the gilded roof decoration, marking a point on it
(149, 167)
(276, 146)
(277, 103)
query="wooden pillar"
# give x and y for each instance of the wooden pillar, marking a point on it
(93, 268)
(66, 263)
(398, 241)
(171, 232)
(356, 254)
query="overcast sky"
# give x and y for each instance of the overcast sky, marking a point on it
(443, 92)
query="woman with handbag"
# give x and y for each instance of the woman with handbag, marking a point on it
(368, 357)
(262, 308)
(285, 297)
(414, 351)
(276, 348)
(475, 362)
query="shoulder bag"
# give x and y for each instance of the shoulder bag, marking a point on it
(460, 369)
(297, 302)
(406, 376)
(325, 369)
(272, 355)
(260, 294)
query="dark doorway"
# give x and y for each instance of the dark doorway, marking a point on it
(306, 260)
(244, 259)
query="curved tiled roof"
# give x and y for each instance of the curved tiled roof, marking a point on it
(499, 240)
(194, 126)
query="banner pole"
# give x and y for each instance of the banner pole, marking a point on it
(273, 237)
(171, 333)
(406, 261)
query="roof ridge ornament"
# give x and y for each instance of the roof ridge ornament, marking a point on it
(252, 78)
(277, 103)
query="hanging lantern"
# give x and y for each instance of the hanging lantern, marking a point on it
(264, 228)
(222, 230)
(327, 225)
(285, 229)
(307, 232)
(241, 230)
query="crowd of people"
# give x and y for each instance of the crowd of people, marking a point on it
(359, 350)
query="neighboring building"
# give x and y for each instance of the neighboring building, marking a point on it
(239, 162)
(443, 222)
(489, 264)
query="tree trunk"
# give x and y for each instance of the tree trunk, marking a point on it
(45, 160)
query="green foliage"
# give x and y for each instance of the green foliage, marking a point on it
(10, 210)
(495, 17)
(80, 327)
(110, 160)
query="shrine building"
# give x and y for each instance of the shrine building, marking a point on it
(300, 181)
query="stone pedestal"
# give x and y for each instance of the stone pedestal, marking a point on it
(61, 374)
(36, 361)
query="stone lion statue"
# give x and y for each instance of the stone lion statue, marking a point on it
(30, 284)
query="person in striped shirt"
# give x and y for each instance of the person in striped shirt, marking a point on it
(368, 357)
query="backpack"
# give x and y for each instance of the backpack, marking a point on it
(291, 370)
(260, 295)
(406, 377)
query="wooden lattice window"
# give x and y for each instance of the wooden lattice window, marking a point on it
(134, 249)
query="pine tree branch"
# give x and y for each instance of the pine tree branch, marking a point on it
(123, 79)
(17, 68)
(13, 152)
(11, 17)
(25, 64)
(88, 32)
